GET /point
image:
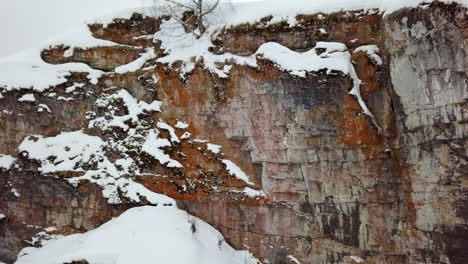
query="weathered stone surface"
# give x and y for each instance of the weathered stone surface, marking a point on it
(101, 58)
(428, 50)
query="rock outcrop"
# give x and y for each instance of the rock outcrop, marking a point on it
(389, 188)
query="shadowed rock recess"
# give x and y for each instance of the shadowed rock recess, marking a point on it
(336, 183)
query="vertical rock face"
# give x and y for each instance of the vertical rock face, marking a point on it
(428, 50)
(336, 185)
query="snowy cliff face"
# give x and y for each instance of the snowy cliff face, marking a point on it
(317, 138)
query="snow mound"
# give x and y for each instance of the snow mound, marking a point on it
(143, 235)
(334, 57)
(6, 161)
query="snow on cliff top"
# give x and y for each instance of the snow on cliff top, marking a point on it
(236, 12)
(143, 235)
(28, 70)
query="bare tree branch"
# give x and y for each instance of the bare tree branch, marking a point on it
(179, 4)
(198, 11)
(211, 9)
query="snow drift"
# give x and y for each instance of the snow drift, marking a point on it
(143, 235)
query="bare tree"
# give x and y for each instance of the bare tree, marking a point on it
(191, 14)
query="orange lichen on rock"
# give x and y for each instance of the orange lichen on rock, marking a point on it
(102, 58)
(356, 129)
(266, 71)
(366, 72)
(174, 89)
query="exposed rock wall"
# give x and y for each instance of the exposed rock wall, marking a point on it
(335, 185)
(428, 50)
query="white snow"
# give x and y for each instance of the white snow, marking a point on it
(72, 88)
(234, 12)
(185, 47)
(69, 52)
(199, 141)
(235, 171)
(28, 70)
(181, 125)
(335, 57)
(15, 192)
(186, 135)
(372, 51)
(6, 161)
(356, 259)
(134, 106)
(253, 11)
(142, 235)
(168, 128)
(252, 193)
(71, 151)
(43, 107)
(293, 259)
(27, 98)
(356, 91)
(215, 149)
(153, 145)
(138, 63)
(41, 238)
(36, 21)
(67, 150)
(78, 37)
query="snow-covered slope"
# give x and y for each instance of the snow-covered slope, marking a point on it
(143, 235)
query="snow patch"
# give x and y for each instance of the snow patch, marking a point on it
(42, 238)
(372, 51)
(72, 88)
(235, 171)
(27, 98)
(153, 145)
(186, 135)
(293, 259)
(15, 192)
(138, 63)
(215, 149)
(43, 107)
(6, 161)
(187, 48)
(142, 235)
(63, 152)
(134, 106)
(252, 193)
(181, 125)
(356, 259)
(68, 53)
(27, 70)
(78, 152)
(334, 57)
(174, 137)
